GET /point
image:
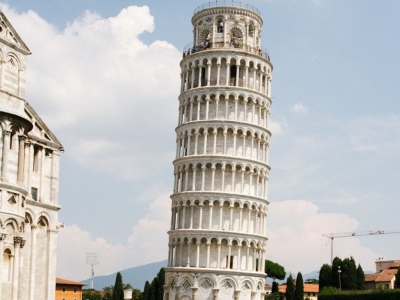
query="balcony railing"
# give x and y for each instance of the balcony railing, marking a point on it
(228, 3)
(190, 49)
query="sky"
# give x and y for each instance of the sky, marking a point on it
(104, 76)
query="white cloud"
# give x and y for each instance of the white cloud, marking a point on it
(108, 96)
(139, 249)
(295, 229)
(299, 108)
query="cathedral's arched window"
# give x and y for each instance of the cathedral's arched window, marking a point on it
(6, 265)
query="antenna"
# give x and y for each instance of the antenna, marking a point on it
(92, 260)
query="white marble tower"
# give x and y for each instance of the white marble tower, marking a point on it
(217, 242)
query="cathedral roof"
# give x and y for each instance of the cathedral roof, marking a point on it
(10, 36)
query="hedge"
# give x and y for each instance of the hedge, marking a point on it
(370, 295)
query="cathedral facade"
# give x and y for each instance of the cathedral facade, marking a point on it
(217, 242)
(29, 180)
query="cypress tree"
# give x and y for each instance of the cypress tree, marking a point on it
(397, 282)
(118, 293)
(349, 274)
(289, 288)
(161, 282)
(325, 276)
(299, 291)
(360, 278)
(337, 262)
(275, 287)
(146, 291)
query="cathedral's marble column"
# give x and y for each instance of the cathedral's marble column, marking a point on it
(221, 207)
(205, 133)
(197, 254)
(15, 280)
(211, 215)
(227, 72)
(207, 106)
(219, 256)
(201, 216)
(215, 292)
(237, 295)
(6, 149)
(208, 254)
(191, 110)
(194, 292)
(223, 179)
(188, 255)
(194, 178)
(238, 267)
(229, 256)
(21, 156)
(208, 73)
(191, 216)
(166, 292)
(176, 292)
(218, 71)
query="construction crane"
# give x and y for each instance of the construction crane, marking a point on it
(333, 236)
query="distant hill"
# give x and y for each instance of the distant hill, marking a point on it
(136, 276)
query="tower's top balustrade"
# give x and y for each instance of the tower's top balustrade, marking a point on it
(226, 3)
(227, 25)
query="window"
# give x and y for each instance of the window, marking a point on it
(220, 26)
(34, 193)
(75, 290)
(230, 263)
(63, 289)
(35, 159)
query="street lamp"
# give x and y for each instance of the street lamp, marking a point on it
(128, 294)
(340, 283)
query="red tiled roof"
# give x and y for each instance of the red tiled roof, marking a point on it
(311, 288)
(395, 264)
(308, 288)
(384, 276)
(370, 277)
(68, 282)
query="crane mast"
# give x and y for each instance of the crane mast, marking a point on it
(333, 236)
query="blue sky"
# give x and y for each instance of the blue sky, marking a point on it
(105, 77)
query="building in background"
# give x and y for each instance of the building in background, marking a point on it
(385, 275)
(68, 290)
(217, 242)
(29, 180)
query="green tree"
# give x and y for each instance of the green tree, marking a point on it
(108, 292)
(90, 294)
(299, 291)
(349, 274)
(275, 287)
(397, 282)
(289, 288)
(337, 262)
(325, 276)
(136, 294)
(360, 278)
(146, 291)
(118, 292)
(274, 270)
(161, 281)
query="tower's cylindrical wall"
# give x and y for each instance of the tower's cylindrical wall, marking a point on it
(217, 242)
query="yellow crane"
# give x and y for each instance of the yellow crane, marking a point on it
(333, 236)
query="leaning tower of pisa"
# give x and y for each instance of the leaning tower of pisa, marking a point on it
(217, 242)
